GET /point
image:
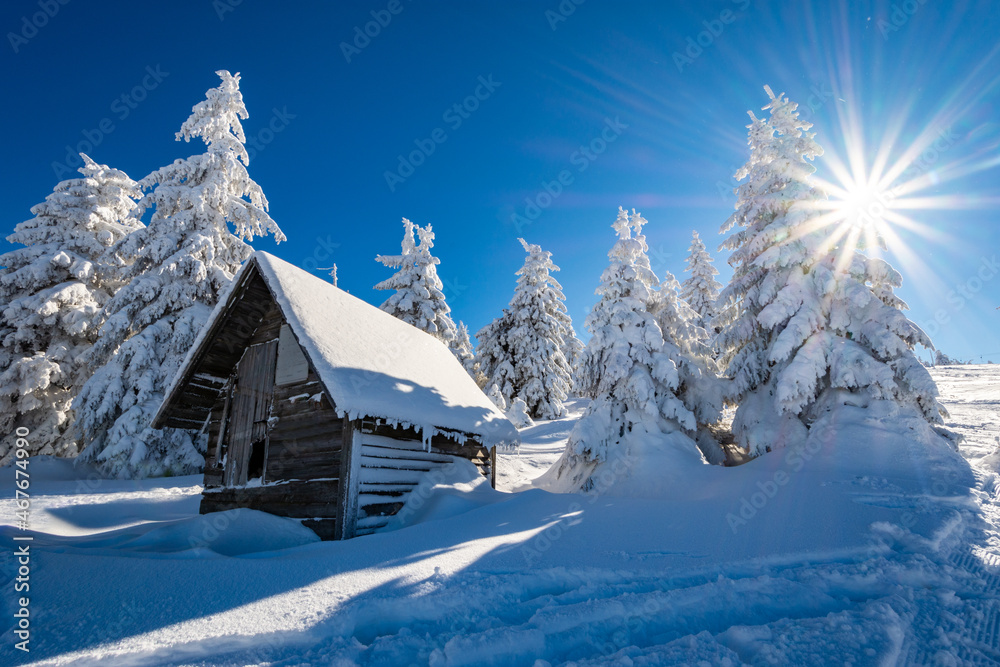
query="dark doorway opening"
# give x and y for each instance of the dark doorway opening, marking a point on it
(255, 467)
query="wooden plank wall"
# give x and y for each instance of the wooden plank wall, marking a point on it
(393, 461)
(305, 441)
(314, 501)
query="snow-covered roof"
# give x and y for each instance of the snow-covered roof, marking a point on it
(371, 363)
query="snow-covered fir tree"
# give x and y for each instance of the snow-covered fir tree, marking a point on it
(638, 380)
(176, 267)
(701, 290)
(463, 350)
(884, 280)
(495, 395)
(700, 387)
(524, 351)
(419, 294)
(809, 330)
(52, 290)
(942, 359)
(493, 356)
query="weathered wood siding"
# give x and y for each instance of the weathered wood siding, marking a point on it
(250, 410)
(305, 440)
(393, 461)
(315, 501)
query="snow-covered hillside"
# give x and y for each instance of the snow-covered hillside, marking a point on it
(867, 545)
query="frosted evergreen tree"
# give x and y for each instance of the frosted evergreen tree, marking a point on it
(689, 345)
(942, 359)
(419, 294)
(52, 290)
(884, 280)
(808, 328)
(463, 350)
(636, 378)
(700, 290)
(678, 321)
(495, 395)
(177, 268)
(530, 364)
(493, 356)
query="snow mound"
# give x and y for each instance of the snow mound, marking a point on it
(648, 465)
(455, 489)
(237, 532)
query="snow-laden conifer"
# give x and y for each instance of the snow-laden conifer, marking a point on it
(638, 380)
(419, 294)
(52, 290)
(462, 349)
(177, 267)
(494, 358)
(808, 329)
(537, 334)
(689, 346)
(700, 290)
(495, 395)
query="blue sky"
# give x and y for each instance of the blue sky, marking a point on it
(638, 104)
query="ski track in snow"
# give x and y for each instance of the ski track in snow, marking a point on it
(507, 579)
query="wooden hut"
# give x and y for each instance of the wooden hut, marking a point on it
(321, 407)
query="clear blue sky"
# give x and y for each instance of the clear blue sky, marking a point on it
(678, 77)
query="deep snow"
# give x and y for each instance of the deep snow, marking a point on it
(871, 544)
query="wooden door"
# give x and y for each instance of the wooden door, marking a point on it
(250, 409)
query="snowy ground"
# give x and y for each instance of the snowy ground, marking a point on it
(972, 396)
(541, 446)
(868, 545)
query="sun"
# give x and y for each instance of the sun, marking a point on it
(862, 210)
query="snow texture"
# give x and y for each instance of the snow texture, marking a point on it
(872, 544)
